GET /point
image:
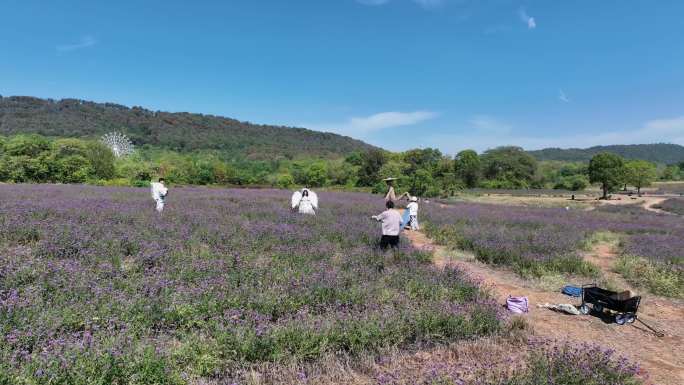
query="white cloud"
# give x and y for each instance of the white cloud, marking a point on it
(362, 126)
(477, 137)
(85, 42)
(562, 96)
(666, 127)
(527, 19)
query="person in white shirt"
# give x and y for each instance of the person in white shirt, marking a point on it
(305, 201)
(413, 213)
(159, 193)
(391, 226)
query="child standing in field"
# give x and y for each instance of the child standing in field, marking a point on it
(391, 226)
(159, 193)
(412, 207)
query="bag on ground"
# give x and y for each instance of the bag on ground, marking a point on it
(517, 305)
(572, 291)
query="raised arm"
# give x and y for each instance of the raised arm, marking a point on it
(404, 195)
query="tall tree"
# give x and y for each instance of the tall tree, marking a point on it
(316, 175)
(640, 173)
(510, 164)
(468, 167)
(671, 172)
(608, 169)
(424, 160)
(101, 160)
(371, 162)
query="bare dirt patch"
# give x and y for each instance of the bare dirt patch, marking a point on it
(662, 358)
(649, 203)
(580, 201)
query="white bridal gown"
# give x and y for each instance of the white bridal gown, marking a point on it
(159, 191)
(307, 204)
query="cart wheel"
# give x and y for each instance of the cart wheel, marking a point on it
(584, 309)
(620, 319)
(630, 318)
(598, 307)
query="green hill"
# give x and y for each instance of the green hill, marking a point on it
(659, 153)
(175, 131)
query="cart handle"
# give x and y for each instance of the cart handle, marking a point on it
(655, 331)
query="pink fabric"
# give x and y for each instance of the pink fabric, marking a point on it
(517, 305)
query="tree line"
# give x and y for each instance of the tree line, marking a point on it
(33, 158)
(427, 172)
(423, 172)
(613, 172)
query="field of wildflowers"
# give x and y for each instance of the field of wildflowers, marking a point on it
(670, 188)
(96, 288)
(673, 205)
(540, 361)
(538, 241)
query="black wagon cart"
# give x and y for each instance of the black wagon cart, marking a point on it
(623, 304)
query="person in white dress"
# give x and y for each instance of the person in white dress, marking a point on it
(305, 201)
(159, 193)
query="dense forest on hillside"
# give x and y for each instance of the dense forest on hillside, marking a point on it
(58, 141)
(658, 153)
(182, 132)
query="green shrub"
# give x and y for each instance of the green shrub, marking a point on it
(285, 181)
(658, 279)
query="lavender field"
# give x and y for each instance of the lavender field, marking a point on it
(538, 241)
(670, 188)
(673, 205)
(97, 288)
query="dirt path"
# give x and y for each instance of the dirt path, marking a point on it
(662, 358)
(647, 202)
(603, 255)
(651, 202)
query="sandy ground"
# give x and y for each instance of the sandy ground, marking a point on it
(647, 202)
(533, 201)
(662, 358)
(581, 202)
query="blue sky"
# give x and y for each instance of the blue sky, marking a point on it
(450, 74)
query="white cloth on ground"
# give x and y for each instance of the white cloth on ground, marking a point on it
(564, 307)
